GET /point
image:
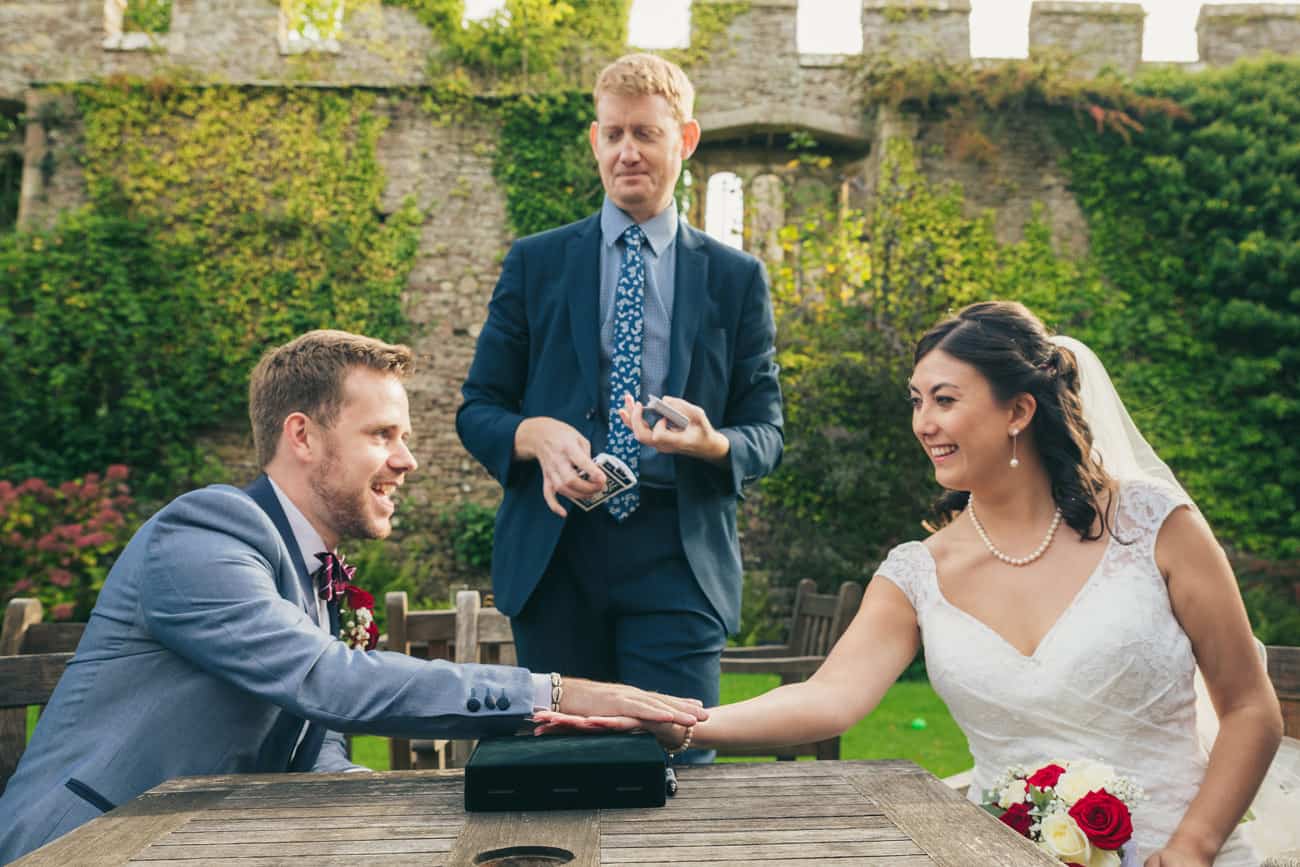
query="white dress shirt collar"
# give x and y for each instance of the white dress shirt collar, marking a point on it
(309, 541)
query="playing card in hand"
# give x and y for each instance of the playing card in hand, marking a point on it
(618, 478)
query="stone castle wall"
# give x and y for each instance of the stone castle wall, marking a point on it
(755, 91)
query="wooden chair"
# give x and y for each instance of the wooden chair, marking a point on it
(1284, 672)
(469, 633)
(817, 622)
(32, 658)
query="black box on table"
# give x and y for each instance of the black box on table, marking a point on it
(565, 772)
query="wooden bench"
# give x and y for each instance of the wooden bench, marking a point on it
(816, 623)
(32, 658)
(468, 633)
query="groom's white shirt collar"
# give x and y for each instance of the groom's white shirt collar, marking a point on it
(309, 542)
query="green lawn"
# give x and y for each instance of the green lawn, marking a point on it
(888, 733)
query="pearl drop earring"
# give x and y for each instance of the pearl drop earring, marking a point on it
(1015, 461)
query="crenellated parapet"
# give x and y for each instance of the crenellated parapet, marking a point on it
(914, 29)
(1228, 32)
(1096, 35)
(383, 45)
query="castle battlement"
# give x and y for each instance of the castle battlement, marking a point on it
(244, 41)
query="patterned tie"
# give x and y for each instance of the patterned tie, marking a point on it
(625, 364)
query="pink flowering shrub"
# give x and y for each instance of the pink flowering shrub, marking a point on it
(58, 543)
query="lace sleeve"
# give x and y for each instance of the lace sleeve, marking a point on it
(911, 568)
(1147, 503)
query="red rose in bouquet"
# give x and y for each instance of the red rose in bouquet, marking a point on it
(1045, 776)
(1018, 818)
(1104, 818)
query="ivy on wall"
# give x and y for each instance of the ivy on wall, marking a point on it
(544, 161)
(852, 293)
(1198, 220)
(148, 16)
(526, 46)
(221, 221)
(1189, 185)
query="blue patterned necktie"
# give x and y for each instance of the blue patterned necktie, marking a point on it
(625, 363)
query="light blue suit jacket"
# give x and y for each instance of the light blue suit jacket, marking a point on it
(539, 355)
(203, 656)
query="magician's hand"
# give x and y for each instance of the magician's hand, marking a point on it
(697, 440)
(564, 456)
(669, 734)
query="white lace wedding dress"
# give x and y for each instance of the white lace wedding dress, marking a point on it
(1111, 680)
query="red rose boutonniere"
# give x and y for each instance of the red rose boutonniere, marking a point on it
(357, 627)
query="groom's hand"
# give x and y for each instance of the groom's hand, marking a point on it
(563, 454)
(590, 698)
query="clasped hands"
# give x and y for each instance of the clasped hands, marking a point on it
(592, 707)
(565, 458)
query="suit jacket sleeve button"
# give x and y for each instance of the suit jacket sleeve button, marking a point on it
(473, 704)
(489, 702)
(503, 703)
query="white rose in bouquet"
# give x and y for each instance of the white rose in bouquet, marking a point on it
(1063, 838)
(1080, 778)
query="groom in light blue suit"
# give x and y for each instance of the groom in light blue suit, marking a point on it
(210, 650)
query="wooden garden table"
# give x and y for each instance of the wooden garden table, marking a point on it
(726, 815)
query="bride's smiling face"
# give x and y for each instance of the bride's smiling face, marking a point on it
(960, 423)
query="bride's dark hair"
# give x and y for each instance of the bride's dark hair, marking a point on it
(1012, 349)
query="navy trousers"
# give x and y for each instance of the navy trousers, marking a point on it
(619, 602)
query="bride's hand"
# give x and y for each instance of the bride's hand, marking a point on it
(552, 722)
(1174, 857)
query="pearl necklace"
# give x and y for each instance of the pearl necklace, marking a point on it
(1007, 558)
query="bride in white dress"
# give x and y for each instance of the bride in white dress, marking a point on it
(1064, 606)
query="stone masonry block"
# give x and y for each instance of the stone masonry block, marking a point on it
(910, 29)
(1227, 32)
(1096, 35)
(760, 56)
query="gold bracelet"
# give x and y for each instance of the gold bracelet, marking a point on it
(684, 745)
(557, 691)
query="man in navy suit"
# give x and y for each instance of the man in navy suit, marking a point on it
(210, 649)
(586, 322)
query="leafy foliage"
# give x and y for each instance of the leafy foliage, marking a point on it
(1198, 221)
(222, 221)
(1272, 594)
(544, 161)
(59, 542)
(527, 45)
(970, 97)
(148, 16)
(852, 294)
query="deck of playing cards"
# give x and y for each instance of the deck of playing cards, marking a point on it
(618, 478)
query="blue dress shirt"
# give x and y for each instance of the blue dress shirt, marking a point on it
(660, 252)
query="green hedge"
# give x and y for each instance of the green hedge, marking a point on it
(853, 292)
(1198, 222)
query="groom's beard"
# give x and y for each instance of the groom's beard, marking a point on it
(344, 509)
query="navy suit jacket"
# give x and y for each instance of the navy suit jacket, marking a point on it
(203, 655)
(539, 355)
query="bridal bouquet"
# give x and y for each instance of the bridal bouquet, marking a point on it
(1079, 812)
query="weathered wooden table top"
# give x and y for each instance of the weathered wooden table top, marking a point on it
(727, 815)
